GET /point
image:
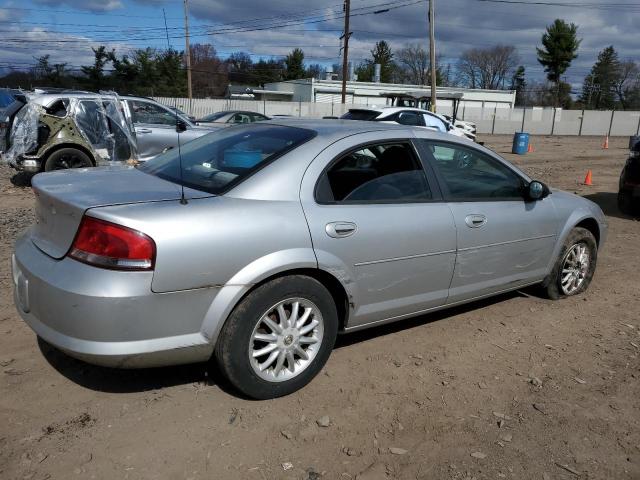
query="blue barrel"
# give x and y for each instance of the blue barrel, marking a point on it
(520, 143)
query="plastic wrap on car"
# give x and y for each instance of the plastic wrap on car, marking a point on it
(102, 124)
(24, 132)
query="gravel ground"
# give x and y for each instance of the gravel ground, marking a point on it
(515, 387)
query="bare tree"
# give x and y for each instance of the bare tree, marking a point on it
(414, 61)
(627, 80)
(488, 68)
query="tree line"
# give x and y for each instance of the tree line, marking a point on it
(611, 84)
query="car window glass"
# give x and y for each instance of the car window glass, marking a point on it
(240, 118)
(433, 121)
(376, 173)
(151, 114)
(410, 118)
(256, 117)
(216, 161)
(470, 174)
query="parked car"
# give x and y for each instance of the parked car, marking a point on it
(260, 242)
(181, 113)
(629, 186)
(469, 128)
(232, 116)
(406, 116)
(72, 130)
(10, 102)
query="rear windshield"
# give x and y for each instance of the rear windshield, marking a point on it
(214, 116)
(360, 115)
(220, 160)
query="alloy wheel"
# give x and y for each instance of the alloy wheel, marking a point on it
(575, 268)
(286, 339)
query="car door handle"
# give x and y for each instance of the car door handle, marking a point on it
(340, 229)
(475, 221)
(143, 130)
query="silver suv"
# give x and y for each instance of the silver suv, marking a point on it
(73, 130)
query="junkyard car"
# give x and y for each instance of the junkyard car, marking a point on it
(11, 101)
(232, 117)
(409, 116)
(629, 185)
(74, 130)
(261, 242)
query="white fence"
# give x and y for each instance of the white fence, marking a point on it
(494, 120)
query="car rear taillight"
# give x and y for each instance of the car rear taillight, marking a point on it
(107, 245)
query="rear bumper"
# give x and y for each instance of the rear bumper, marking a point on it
(107, 317)
(26, 164)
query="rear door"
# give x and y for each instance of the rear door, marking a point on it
(503, 241)
(378, 223)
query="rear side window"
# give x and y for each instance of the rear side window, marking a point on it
(384, 173)
(367, 115)
(216, 162)
(410, 118)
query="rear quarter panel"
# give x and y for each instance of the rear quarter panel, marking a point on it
(218, 241)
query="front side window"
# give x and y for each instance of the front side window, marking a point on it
(472, 175)
(240, 117)
(220, 160)
(151, 114)
(376, 173)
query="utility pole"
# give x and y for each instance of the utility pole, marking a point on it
(432, 53)
(187, 50)
(345, 60)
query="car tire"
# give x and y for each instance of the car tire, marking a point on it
(66, 158)
(625, 203)
(257, 330)
(575, 266)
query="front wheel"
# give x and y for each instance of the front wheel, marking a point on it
(279, 337)
(575, 266)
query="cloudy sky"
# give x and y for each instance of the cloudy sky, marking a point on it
(67, 29)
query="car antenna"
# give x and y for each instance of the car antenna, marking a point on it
(183, 200)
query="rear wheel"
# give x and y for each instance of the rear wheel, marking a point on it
(67, 158)
(575, 266)
(625, 203)
(279, 337)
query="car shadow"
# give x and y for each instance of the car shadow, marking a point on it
(608, 202)
(22, 179)
(113, 380)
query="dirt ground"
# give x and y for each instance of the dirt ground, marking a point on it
(515, 387)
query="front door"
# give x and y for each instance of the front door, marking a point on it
(503, 241)
(378, 223)
(155, 128)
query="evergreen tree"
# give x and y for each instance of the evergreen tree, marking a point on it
(598, 91)
(95, 73)
(560, 45)
(519, 84)
(295, 65)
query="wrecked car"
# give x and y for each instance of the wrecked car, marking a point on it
(76, 130)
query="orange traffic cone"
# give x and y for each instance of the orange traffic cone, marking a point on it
(530, 149)
(605, 145)
(588, 180)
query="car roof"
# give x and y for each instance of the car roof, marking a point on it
(329, 126)
(49, 98)
(389, 109)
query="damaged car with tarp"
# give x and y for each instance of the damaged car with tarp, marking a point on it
(78, 130)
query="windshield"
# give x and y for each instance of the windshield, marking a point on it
(220, 160)
(214, 116)
(360, 115)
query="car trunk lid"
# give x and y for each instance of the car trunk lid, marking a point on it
(63, 197)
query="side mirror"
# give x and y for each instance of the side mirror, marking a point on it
(537, 191)
(181, 126)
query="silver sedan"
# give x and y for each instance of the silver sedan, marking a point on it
(260, 243)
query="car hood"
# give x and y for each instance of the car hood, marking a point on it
(63, 197)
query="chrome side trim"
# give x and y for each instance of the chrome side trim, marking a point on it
(408, 257)
(505, 243)
(434, 309)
